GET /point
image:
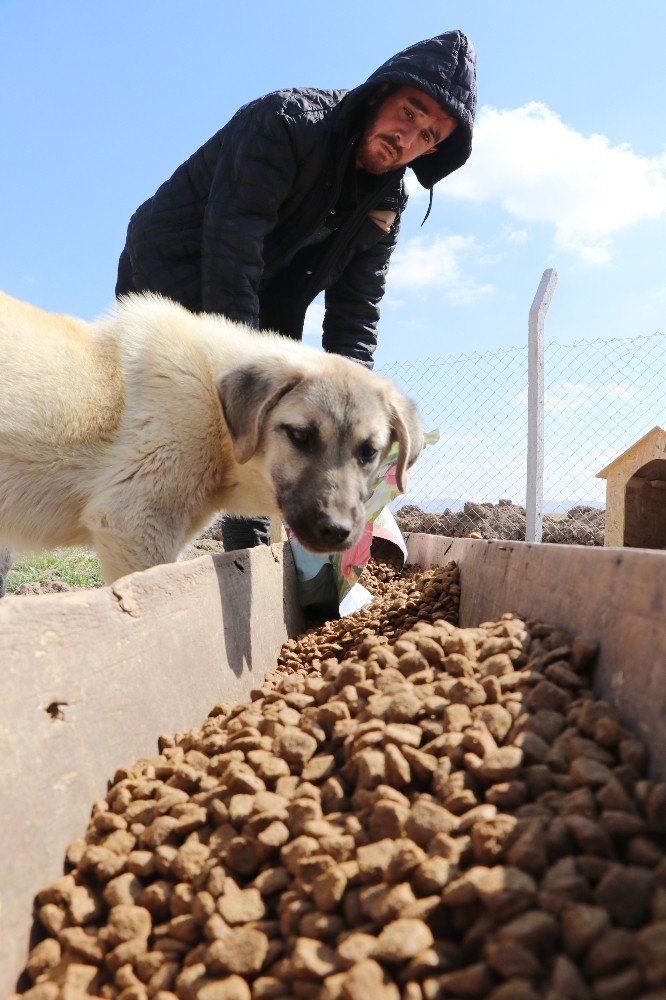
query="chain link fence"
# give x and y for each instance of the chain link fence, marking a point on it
(601, 396)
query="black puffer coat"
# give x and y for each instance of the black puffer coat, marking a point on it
(237, 229)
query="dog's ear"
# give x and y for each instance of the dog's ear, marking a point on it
(408, 432)
(247, 395)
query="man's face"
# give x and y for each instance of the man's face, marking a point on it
(405, 125)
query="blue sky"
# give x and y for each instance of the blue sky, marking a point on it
(101, 101)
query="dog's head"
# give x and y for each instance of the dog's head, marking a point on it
(320, 432)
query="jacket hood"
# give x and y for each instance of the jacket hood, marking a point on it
(445, 68)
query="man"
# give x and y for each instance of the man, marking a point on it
(302, 191)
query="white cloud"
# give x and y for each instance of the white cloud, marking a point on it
(573, 395)
(566, 396)
(440, 262)
(623, 390)
(543, 171)
(516, 236)
(554, 402)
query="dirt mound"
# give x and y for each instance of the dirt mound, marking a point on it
(505, 520)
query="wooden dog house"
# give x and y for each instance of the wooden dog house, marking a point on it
(636, 494)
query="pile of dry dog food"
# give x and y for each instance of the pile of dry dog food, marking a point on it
(405, 811)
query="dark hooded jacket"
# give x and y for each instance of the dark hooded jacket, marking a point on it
(271, 210)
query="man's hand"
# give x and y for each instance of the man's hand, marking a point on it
(383, 218)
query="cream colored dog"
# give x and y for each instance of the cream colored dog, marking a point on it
(131, 432)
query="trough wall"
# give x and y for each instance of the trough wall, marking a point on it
(89, 680)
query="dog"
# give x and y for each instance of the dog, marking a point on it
(132, 432)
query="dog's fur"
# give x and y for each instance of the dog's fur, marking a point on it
(131, 432)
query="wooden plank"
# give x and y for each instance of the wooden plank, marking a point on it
(90, 679)
(616, 596)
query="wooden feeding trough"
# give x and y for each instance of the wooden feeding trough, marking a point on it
(636, 494)
(91, 679)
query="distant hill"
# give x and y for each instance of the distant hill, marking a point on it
(439, 505)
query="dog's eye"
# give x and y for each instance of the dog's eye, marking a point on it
(301, 437)
(367, 453)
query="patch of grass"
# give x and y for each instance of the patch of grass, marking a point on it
(78, 567)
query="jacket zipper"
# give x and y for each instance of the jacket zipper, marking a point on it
(336, 187)
(344, 235)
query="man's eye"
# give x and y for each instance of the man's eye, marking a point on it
(409, 113)
(427, 138)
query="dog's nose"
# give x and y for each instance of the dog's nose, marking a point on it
(333, 532)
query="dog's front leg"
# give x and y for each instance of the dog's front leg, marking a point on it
(120, 553)
(5, 566)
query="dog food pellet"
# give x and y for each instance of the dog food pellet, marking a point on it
(405, 810)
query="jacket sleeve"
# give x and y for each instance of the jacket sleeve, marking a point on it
(254, 173)
(352, 303)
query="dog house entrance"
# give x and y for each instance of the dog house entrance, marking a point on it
(645, 507)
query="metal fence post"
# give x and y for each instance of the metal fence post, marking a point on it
(535, 364)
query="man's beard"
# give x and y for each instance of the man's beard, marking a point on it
(378, 154)
(370, 159)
